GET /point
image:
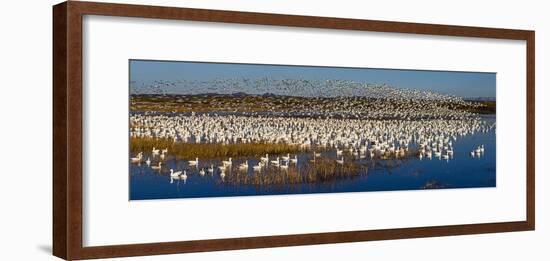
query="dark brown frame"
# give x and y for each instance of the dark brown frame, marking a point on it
(67, 129)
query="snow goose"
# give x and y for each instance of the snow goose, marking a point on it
(340, 161)
(137, 158)
(194, 162)
(227, 162)
(175, 174)
(158, 167)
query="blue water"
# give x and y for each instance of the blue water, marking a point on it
(462, 171)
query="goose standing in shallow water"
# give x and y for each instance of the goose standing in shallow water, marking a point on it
(275, 162)
(284, 166)
(194, 162)
(175, 174)
(340, 161)
(244, 166)
(148, 162)
(184, 177)
(258, 167)
(227, 162)
(155, 151)
(138, 158)
(211, 169)
(158, 167)
(478, 150)
(286, 158)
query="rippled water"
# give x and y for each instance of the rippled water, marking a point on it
(462, 171)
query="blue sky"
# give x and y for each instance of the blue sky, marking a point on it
(463, 84)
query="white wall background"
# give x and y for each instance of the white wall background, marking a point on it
(25, 130)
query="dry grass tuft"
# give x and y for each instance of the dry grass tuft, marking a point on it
(323, 170)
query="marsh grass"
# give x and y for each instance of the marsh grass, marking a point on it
(211, 150)
(324, 170)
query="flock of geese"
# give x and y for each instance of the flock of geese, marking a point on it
(360, 139)
(281, 162)
(288, 87)
(439, 150)
(374, 102)
(388, 123)
(307, 132)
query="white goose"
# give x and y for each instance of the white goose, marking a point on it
(175, 174)
(294, 160)
(194, 162)
(155, 151)
(158, 167)
(184, 177)
(227, 162)
(137, 159)
(340, 161)
(275, 162)
(148, 161)
(478, 150)
(265, 159)
(211, 169)
(258, 167)
(284, 166)
(244, 165)
(286, 158)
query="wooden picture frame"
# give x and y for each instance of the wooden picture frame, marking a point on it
(68, 146)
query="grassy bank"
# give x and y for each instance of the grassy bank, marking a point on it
(210, 151)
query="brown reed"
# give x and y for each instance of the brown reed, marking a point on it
(211, 150)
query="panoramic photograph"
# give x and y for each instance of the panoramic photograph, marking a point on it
(203, 129)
